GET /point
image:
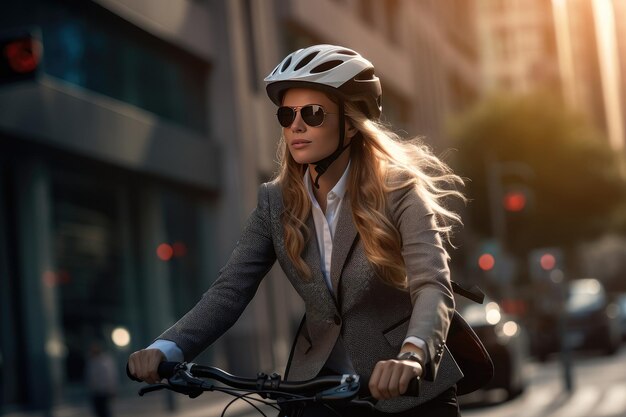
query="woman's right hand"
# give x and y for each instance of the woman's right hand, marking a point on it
(144, 363)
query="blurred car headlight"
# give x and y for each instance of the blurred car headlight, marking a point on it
(493, 315)
(612, 310)
(510, 328)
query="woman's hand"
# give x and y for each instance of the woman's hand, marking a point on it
(144, 363)
(391, 378)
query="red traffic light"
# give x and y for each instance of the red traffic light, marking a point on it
(23, 55)
(515, 201)
(486, 262)
(547, 262)
(20, 56)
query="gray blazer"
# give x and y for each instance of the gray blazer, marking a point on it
(373, 318)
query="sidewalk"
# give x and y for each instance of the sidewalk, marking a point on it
(155, 404)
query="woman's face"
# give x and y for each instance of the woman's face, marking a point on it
(308, 144)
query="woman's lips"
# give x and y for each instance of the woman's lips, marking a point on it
(299, 143)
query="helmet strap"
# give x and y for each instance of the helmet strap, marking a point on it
(323, 164)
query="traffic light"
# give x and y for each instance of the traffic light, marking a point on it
(20, 56)
(547, 264)
(547, 261)
(486, 262)
(516, 198)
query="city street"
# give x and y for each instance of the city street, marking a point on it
(599, 391)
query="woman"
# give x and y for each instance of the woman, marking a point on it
(354, 218)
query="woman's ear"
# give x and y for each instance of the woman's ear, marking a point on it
(351, 130)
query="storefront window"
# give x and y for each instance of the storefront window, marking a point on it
(88, 272)
(188, 231)
(12, 349)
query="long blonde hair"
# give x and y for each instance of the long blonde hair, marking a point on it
(381, 162)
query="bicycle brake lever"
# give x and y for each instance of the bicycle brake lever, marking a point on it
(190, 392)
(152, 387)
(364, 403)
(184, 383)
(414, 388)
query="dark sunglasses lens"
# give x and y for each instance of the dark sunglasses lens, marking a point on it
(313, 115)
(285, 115)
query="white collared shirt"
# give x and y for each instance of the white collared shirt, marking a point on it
(326, 223)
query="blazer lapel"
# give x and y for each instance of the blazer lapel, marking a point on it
(342, 242)
(311, 256)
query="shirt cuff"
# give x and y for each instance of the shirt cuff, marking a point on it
(420, 344)
(170, 349)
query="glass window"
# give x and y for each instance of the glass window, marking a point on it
(86, 45)
(88, 270)
(187, 232)
(13, 389)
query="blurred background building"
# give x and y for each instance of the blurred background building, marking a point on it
(517, 45)
(589, 37)
(131, 152)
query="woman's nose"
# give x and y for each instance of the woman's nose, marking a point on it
(298, 124)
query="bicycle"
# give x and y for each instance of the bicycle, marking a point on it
(290, 398)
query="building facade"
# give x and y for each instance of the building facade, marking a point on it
(591, 55)
(517, 45)
(131, 156)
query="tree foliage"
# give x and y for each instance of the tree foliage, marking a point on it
(578, 186)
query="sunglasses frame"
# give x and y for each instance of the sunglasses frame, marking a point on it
(296, 109)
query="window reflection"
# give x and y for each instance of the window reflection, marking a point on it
(87, 268)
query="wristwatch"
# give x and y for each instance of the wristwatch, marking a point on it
(410, 356)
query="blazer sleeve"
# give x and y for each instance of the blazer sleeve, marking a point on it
(428, 274)
(224, 302)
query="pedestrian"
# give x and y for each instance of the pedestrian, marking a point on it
(356, 220)
(102, 379)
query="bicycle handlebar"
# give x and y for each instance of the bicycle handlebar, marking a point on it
(262, 382)
(185, 377)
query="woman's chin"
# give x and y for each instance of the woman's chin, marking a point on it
(302, 160)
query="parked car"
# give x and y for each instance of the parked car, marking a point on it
(504, 338)
(620, 301)
(591, 321)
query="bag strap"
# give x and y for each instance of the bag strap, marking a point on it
(475, 294)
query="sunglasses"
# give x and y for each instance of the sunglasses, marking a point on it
(312, 114)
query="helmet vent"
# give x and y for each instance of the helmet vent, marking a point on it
(326, 66)
(347, 52)
(365, 75)
(306, 60)
(286, 64)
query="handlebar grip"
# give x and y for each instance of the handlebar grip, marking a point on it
(167, 369)
(131, 376)
(414, 388)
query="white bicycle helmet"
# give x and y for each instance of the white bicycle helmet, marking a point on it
(330, 68)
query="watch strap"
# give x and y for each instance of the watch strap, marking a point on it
(410, 356)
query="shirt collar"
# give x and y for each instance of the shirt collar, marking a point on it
(339, 189)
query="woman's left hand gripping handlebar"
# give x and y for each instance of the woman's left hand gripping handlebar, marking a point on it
(144, 364)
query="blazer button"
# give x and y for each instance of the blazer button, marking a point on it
(337, 320)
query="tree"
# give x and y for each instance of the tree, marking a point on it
(578, 185)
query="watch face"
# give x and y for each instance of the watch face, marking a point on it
(409, 356)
